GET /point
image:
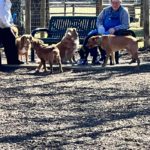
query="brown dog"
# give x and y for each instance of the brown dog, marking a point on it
(24, 45)
(112, 43)
(46, 53)
(69, 45)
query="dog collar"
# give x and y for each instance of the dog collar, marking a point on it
(99, 40)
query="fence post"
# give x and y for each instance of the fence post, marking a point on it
(99, 6)
(141, 18)
(146, 22)
(43, 15)
(73, 9)
(65, 7)
(28, 16)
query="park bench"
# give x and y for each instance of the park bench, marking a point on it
(58, 25)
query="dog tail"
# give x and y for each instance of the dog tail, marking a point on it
(140, 40)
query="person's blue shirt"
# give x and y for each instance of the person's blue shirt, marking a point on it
(109, 18)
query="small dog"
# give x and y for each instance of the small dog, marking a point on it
(24, 46)
(46, 53)
(69, 45)
(112, 43)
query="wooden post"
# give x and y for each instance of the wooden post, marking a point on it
(65, 7)
(99, 6)
(73, 9)
(28, 16)
(47, 12)
(43, 15)
(146, 22)
(141, 16)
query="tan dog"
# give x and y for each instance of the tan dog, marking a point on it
(46, 53)
(24, 46)
(69, 45)
(112, 43)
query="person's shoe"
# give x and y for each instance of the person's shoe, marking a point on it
(17, 63)
(20, 62)
(82, 62)
(96, 63)
(102, 58)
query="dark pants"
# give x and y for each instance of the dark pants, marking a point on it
(94, 52)
(84, 52)
(8, 40)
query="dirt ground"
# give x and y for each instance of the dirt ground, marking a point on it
(79, 109)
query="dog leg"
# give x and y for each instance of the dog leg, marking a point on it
(107, 57)
(74, 59)
(132, 61)
(39, 67)
(60, 67)
(105, 61)
(112, 62)
(44, 65)
(113, 58)
(136, 58)
(51, 67)
(20, 57)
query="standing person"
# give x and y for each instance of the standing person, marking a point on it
(7, 36)
(111, 20)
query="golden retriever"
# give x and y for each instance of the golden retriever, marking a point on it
(112, 43)
(46, 53)
(69, 45)
(24, 46)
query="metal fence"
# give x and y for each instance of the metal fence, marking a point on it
(63, 7)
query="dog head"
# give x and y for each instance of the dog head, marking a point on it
(25, 40)
(94, 41)
(71, 33)
(36, 43)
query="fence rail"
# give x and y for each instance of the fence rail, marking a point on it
(76, 8)
(75, 5)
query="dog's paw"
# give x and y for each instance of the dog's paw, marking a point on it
(36, 71)
(103, 65)
(61, 71)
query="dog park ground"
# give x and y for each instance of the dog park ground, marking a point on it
(85, 108)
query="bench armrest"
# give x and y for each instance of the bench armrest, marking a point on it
(39, 30)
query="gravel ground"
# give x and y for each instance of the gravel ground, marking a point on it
(76, 110)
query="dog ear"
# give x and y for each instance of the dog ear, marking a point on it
(30, 37)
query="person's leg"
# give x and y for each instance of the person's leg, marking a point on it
(84, 51)
(103, 54)
(10, 48)
(94, 53)
(117, 57)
